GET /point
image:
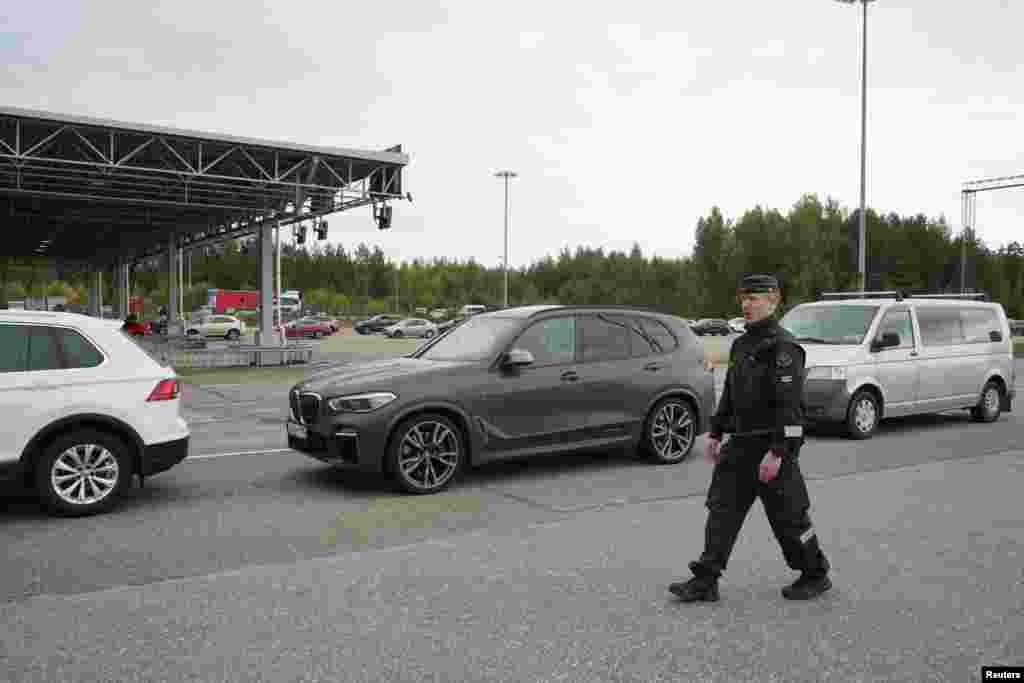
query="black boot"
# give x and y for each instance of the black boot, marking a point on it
(700, 588)
(807, 587)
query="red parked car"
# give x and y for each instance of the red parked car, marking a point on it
(135, 328)
(308, 327)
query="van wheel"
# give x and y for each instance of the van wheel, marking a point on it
(862, 416)
(991, 404)
(83, 473)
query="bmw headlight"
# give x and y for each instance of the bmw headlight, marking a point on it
(360, 403)
(836, 372)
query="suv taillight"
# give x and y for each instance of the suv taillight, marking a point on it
(165, 390)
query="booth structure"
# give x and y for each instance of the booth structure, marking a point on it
(107, 194)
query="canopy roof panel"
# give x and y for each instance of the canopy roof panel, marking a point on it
(83, 189)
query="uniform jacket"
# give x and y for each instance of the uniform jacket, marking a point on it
(764, 388)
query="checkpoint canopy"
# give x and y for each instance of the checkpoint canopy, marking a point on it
(101, 192)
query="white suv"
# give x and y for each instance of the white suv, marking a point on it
(85, 408)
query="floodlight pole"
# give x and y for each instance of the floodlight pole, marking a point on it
(506, 175)
(863, 229)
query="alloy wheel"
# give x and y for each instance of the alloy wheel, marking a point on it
(672, 431)
(84, 474)
(429, 455)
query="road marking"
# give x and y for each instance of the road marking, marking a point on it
(206, 456)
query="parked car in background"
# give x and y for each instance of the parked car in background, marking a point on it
(448, 324)
(738, 325)
(93, 409)
(522, 381)
(227, 326)
(411, 327)
(711, 326)
(308, 327)
(376, 323)
(331, 322)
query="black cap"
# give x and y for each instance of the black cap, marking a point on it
(757, 284)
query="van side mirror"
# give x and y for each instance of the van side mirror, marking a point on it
(888, 340)
(995, 336)
(517, 358)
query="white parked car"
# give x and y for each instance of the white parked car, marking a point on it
(412, 327)
(738, 325)
(227, 326)
(87, 408)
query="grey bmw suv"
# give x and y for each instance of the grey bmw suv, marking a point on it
(520, 381)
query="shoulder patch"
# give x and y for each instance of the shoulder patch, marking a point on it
(783, 360)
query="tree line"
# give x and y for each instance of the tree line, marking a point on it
(812, 247)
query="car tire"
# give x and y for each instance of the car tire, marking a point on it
(232, 335)
(397, 335)
(990, 405)
(862, 415)
(670, 431)
(410, 466)
(65, 454)
(429, 334)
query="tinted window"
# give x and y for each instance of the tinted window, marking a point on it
(43, 353)
(13, 348)
(551, 341)
(603, 337)
(78, 352)
(898, 322)
(978, 323)
(939, 326)
(659, 334)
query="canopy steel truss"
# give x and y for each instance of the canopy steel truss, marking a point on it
(82, 189)
(968, 211)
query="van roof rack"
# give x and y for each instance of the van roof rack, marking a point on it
(863, 295)
(979, 296)
(900, 295)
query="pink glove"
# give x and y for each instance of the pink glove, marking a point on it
(769, 467)
(712, 450)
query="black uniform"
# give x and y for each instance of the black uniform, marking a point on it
(762, 408)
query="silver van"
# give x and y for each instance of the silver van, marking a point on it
(873, 357)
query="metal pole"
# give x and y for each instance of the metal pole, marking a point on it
(280, 322)
(862, 243)
(181, 285)
(506, 175)
(506, 241)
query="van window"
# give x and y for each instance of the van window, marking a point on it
(898, 322)
(830, 324)
(978, 323)
(940, 326)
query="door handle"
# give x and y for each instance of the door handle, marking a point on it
(570, 376)
(913, 353)
(654, 367)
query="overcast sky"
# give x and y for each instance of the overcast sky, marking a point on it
(627, 121)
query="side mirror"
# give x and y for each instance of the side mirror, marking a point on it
(995, 336)
(517, 358)
(888, 340)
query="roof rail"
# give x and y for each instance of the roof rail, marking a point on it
(652, 308)
(863, 295)
(980, 296)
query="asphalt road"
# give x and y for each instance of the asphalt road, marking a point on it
(244, 499)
